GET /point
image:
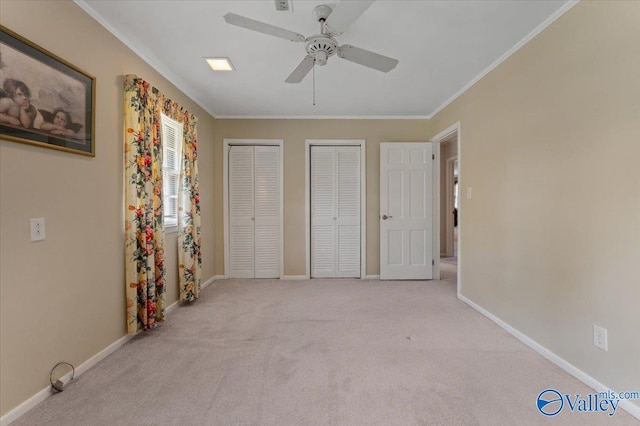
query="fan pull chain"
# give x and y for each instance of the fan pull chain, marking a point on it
(314, 82)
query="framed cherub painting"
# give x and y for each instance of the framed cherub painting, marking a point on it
(44, 100)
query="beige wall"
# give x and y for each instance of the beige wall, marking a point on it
(550, 241)
(294, 133)
(63, 298)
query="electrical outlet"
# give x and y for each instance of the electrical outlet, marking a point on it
(37, 229)
(469, 193)
(600, 337)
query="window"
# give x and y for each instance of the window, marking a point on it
(171, 164)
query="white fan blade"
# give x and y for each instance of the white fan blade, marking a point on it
(301, 70)
(261, 27)
(344, 14)
(366, 58)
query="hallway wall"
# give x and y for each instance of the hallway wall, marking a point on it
(549, 241)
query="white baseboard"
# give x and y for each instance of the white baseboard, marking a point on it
(47, 392)
(172, 307)
(631, 408)
(36, 399)
(207, 282)
(626, 405)
(304, 277)
(219, 277)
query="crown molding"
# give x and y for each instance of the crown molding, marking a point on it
(322, 117)
(173, 79)
(537, 30)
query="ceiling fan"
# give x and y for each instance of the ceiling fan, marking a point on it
(320, 47)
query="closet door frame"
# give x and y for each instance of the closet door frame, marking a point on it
(226, 144)
(363, 198)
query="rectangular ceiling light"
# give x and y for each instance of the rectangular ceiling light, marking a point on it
(220, 64)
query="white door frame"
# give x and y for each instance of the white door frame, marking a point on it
(451, 131)
(363, 198)
(226, 143)
(449, 186)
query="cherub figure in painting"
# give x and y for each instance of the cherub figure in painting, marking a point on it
(59, 123)
(15, 106)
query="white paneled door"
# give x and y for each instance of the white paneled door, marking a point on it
(335, 211)
(406, 210)
(254, 212)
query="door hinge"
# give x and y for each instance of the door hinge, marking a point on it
(433, 156)
(433, 262)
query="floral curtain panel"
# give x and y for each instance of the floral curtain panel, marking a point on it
(189, 242)
(144, 230)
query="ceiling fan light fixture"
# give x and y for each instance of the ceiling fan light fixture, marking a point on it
(320, 47)
(321, 57)
(220, 64)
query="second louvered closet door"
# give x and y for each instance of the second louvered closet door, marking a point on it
(335, 211)
(254, 212)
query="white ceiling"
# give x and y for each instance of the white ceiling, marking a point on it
(443, 47)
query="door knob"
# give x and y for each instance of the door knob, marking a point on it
(385, 217)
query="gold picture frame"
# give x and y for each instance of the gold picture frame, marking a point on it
(44, 100)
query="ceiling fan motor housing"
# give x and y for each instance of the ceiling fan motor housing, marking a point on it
(321, 47)
(321, 12)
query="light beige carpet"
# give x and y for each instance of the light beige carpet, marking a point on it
(320, 352)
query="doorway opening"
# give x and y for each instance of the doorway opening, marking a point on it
(450, 217)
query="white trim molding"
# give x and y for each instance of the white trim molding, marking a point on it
(322, 117)
(537, 30)
(186, 88)
(446, 133)
(452, 131)
(172, 307)
(207, 282)
(174, 78)
(295, 277)
(363, 197)
(225, 193)
(47, 392)
(626, 405)
(435, 210)
(449, 205)
(373, 277)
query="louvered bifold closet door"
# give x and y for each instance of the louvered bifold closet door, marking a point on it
(323, 187)
(348, 212)
(335, 211)
(267, 212)
(241, 212)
